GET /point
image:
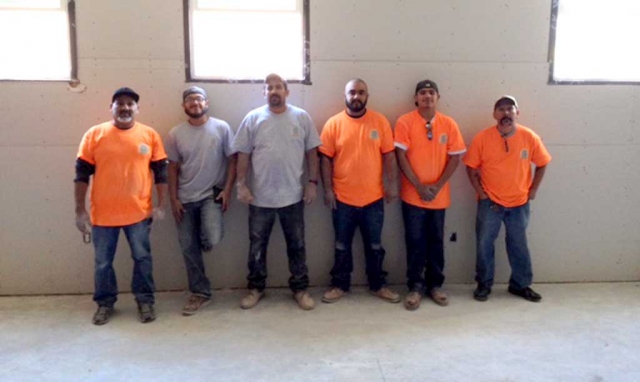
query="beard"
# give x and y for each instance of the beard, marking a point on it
(124, 117)
(275, 101)
(196, 115)
(355, 106)
(506, 121)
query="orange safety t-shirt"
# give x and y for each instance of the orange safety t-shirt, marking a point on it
(356, 146)
(506, 175)
(122, 182)
(427, 158)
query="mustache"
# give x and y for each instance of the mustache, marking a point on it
(506, 120)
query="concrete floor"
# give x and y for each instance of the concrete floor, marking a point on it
(579, 332)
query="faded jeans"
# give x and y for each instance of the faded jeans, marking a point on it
(105, 241)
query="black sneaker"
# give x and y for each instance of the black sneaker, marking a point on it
(146, 312)
(102, 315)
(526, 293)
(481, 293)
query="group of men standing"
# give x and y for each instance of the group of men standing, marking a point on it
(356, 155)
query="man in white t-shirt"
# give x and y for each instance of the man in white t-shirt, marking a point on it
(273, 141)
(201, 175)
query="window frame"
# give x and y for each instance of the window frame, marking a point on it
(73, 50)
(306, 80)
(555, 4)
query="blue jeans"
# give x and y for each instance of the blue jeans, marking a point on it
(423, 234)
(346, 219)
(200, 229)
(488, 221)
(105, 241)
(261, 222)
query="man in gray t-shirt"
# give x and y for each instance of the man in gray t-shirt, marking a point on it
(201, 175)
(272, 143)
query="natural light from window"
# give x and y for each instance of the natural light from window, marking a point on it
(596, 41)
(34, 39)
(247, 39)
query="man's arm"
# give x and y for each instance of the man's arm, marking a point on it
(311, 188)
(82, 217)
(391, 175)
(452, 164)
(176, 206)
(474, 178)
(160, 175)
(537, 179)
(244, 194)
(326, 168)
(407, 170)
(225, 195)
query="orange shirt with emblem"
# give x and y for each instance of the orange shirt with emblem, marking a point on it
(427, 158)
(122, 183)
(505, 174)
(356, 146)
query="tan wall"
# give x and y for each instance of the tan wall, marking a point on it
(583, 225)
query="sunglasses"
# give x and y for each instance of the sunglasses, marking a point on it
(429, 131)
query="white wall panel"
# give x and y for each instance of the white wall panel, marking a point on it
(583, 223)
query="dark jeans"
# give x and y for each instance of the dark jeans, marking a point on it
(200, 229)
(488, 221)
(105, 241)
(261, 221)
(346, 219)
(423, 234)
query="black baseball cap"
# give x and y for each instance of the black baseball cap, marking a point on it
(427, 84)
(125, 91)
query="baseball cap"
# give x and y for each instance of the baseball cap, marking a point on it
(194, 90)
(125, 91)
(427, 84)
(506, 98)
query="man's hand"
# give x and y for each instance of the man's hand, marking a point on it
(532, 193)
(425, 192)
(330, 199)
(157, 214)
(310, 193)
(83, 222)
(390, 194)
(177, 210)
(223, 198)
(244, 194)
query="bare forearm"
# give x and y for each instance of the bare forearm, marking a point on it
(161, 189)
(474, 178)
(449, 169)
(241, 169)
(406, 169)
(231, 172)
(312, 164)
(326, 168)
(80, 194)
(537, 177)
(391, 168)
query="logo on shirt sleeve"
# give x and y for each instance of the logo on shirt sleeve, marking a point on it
(144, 149)
(374, 135)
(524, 154)
(444, 138)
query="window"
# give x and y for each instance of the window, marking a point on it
(244, 40)
(594, 41)
(36, 40)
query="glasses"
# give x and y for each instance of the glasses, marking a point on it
(194, 99)
(429, 131)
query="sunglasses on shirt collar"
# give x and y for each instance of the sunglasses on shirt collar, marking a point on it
(429, 130)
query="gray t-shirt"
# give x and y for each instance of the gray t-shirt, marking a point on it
(202, 153)
(277, 144)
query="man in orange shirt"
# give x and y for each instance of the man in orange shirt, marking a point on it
(428, 147)
(356, 144)
(125, 157)
(499, 168)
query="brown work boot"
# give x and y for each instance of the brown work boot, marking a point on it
(412, 301)
(333, 294)
(195, 304)
(251, 299)
(304, 300)
(439, 297)
(386, 294)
